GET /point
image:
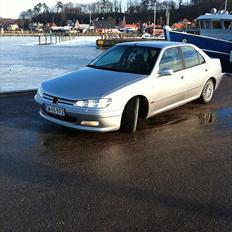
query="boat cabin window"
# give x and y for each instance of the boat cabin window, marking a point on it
(202, 24)
(227, 25)
(207, 24)
(191, 57)
(217, 24)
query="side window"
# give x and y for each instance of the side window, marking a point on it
(202, 24)
(171, 59)
(217, 24)
(201, 58)
(207, 24)
(227, 25)
(191, 57)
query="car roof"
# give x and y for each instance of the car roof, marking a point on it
(153, 44)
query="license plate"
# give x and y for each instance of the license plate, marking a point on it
(55, 110)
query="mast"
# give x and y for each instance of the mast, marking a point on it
(226, 5)
(154, 17)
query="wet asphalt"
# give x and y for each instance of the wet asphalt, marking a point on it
(173, 174)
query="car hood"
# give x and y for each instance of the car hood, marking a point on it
(88, 83)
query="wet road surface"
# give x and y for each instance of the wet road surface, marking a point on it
(173, 174)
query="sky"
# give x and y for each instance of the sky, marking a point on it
(12, 8)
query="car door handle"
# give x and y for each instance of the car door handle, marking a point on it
(182, 77)
(206, 70)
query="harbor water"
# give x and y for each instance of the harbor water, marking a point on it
(24, 64)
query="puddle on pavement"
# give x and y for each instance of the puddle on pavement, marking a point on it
(222, 116)
(159, 121)
(206, 118)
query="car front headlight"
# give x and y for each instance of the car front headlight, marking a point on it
(40, 91)
(94, 103)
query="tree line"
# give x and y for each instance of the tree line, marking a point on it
(135, 11)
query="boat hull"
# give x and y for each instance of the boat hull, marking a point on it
(213, 47)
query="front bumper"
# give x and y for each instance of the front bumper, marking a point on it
(101, 120)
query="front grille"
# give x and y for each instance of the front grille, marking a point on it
(60, 100)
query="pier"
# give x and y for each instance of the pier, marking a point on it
(48, 39)
(112, 42)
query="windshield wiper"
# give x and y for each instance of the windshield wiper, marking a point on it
(101, 67)
(91, 66)
(116, 70)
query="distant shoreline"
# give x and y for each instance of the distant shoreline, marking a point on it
(30, 34)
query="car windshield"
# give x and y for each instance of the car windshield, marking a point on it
(132, 59)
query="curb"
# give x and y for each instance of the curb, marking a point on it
(18, 92)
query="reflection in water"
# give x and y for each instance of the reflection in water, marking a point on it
(207, 118)
(222, 116)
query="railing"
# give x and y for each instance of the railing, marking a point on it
(47, 39)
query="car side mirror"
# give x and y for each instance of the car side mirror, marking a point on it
(230, 56)
(166, 72)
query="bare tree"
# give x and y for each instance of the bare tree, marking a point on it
(37, 9)
(45, 8)
(115, 5)
(59, 6)
(120, 6)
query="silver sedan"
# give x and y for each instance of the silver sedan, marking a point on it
(130, 80)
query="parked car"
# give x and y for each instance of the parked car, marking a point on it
(146, 36)
(130, 80)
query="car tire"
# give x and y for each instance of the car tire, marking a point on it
(207, 92)
(130, 116)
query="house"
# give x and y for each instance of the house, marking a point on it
(81, 27)
(134, 9)
(36, 26)
(51, 27)
(158, 29)
(129, 28)
(102, 26)
(183, 24)
(13, 27)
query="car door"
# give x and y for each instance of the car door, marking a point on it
(169, 89)
(195, 71)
